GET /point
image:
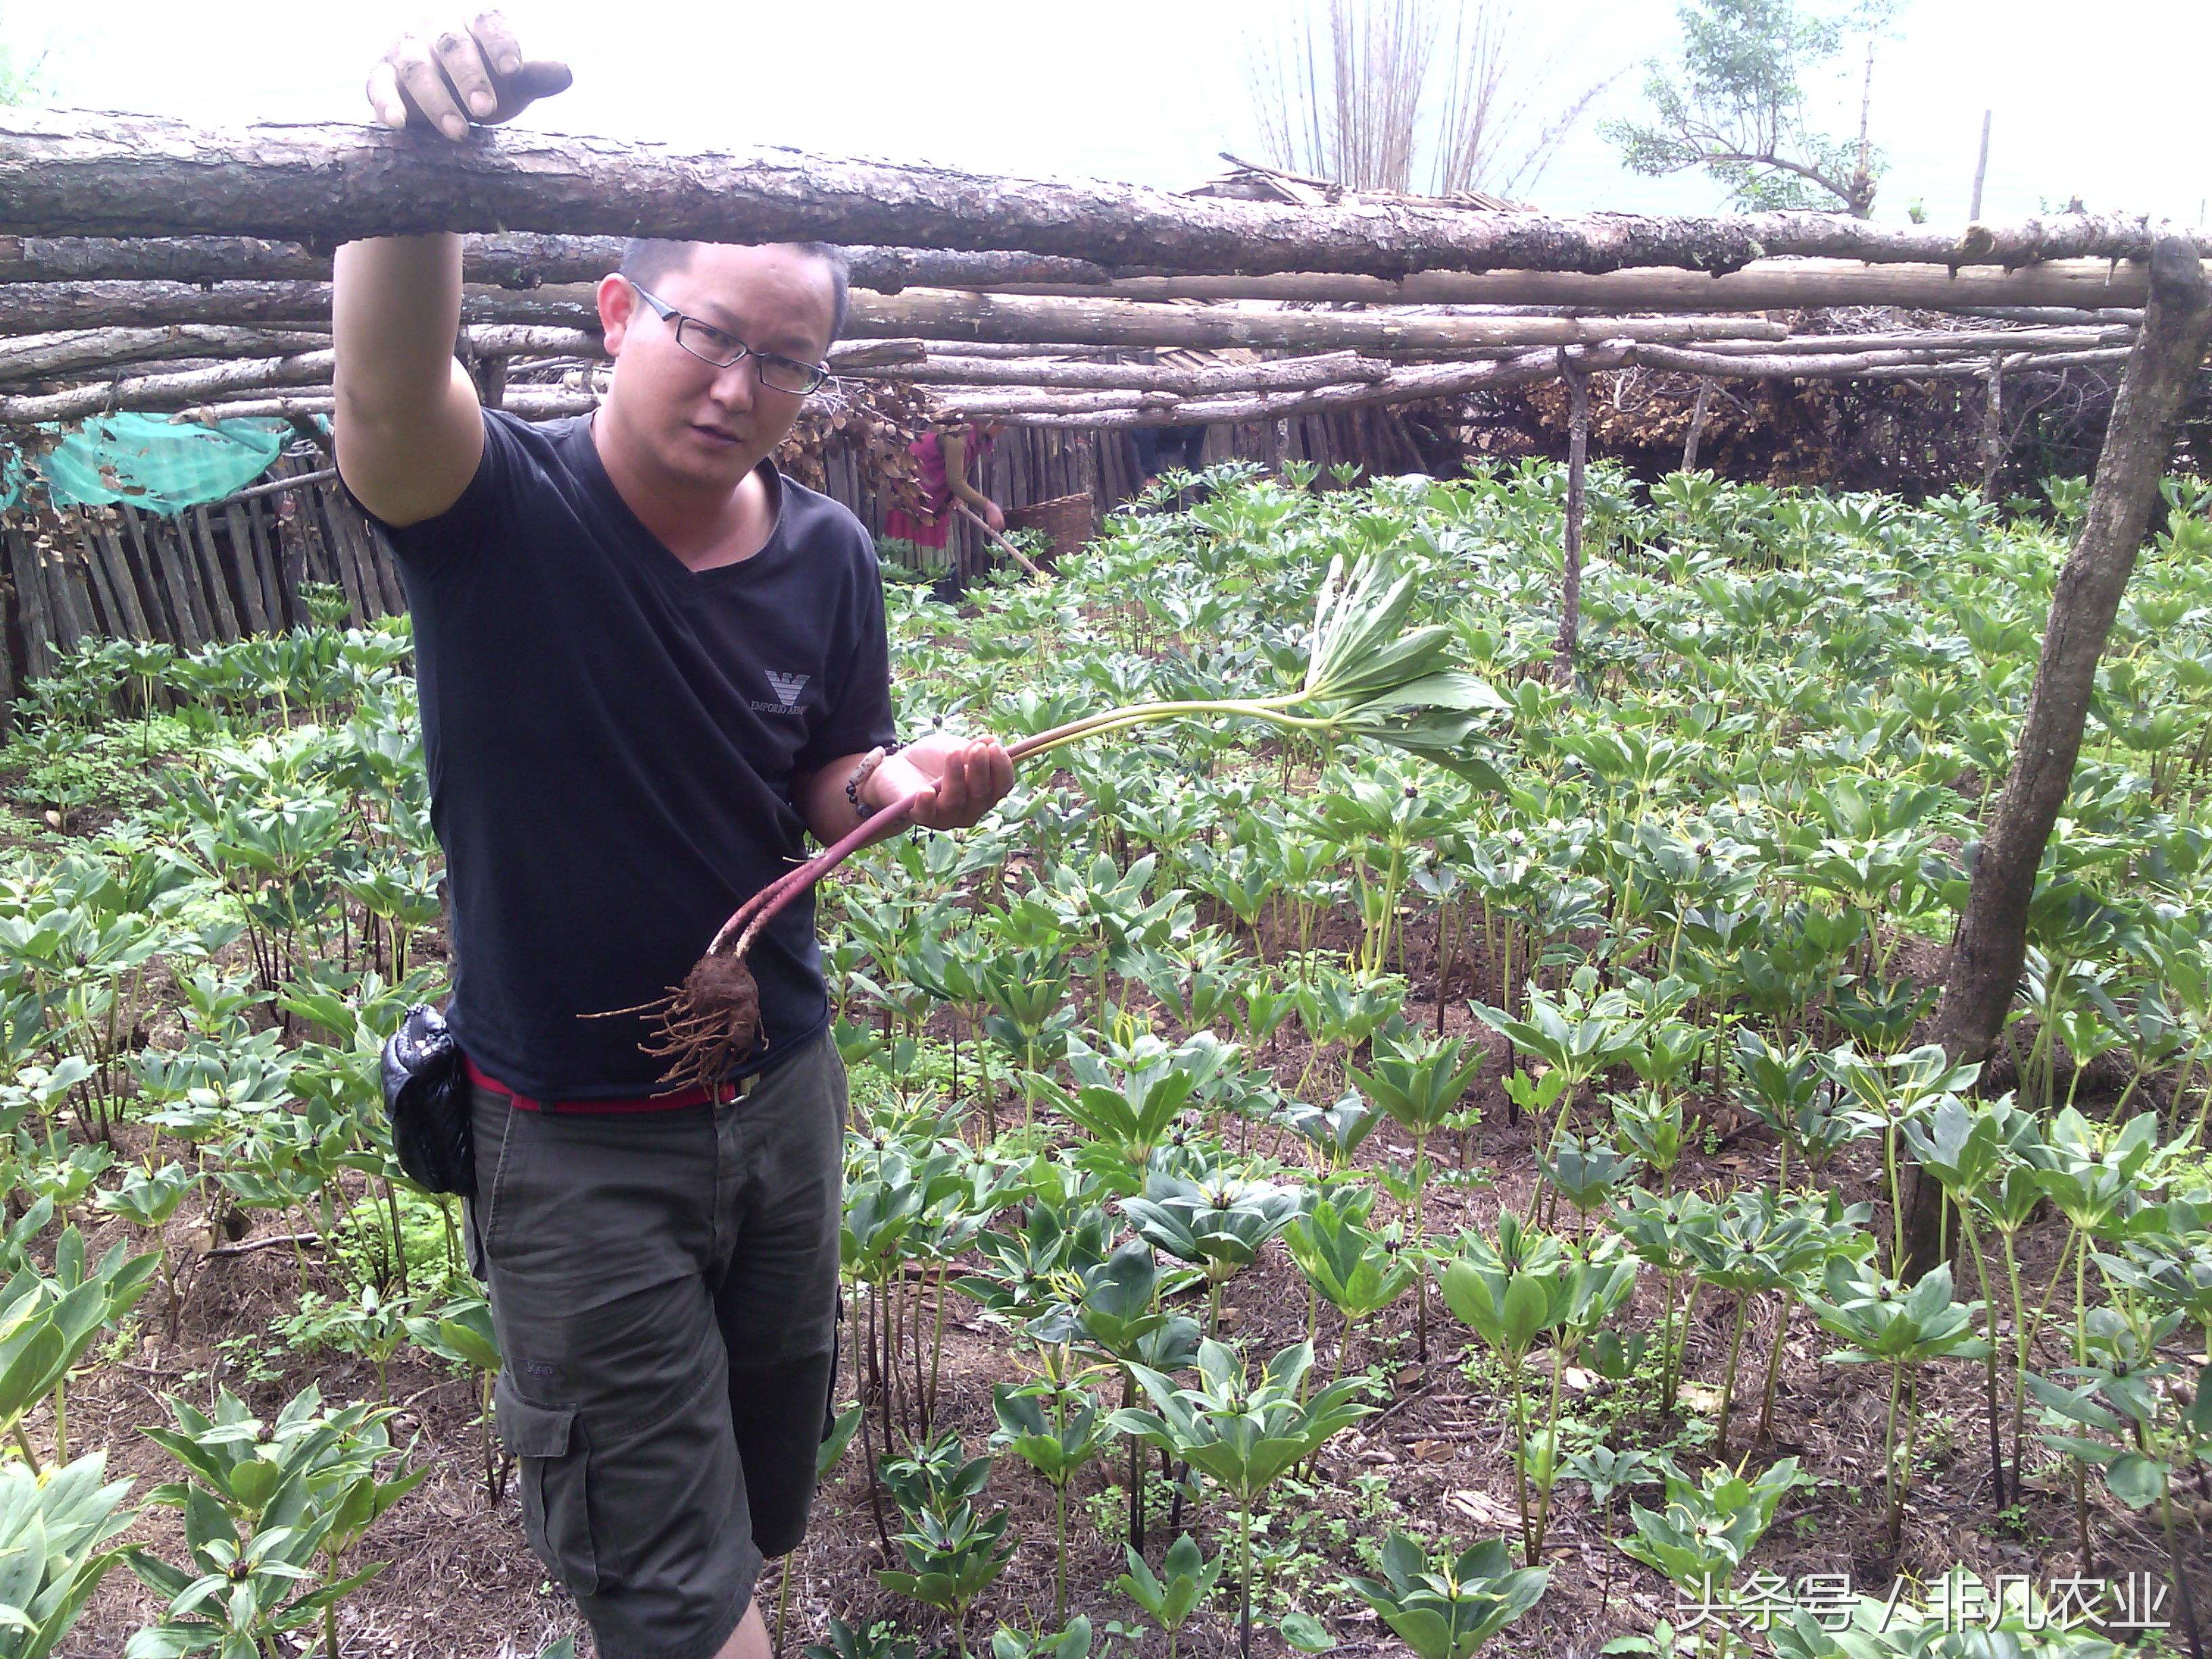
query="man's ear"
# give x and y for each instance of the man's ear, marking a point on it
(617, 306)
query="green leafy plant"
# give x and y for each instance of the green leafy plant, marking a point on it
(1169, 1597)
(1244, 1433)
(1710, 1526)
(1903, 1327)
(1524, 1286)
(55, 1533)
(268, 1510)
(1420, 1082)
(1369, 675)
(950, 1560)
(1053, 1426)
(1448, 1608)
(1360, 1271)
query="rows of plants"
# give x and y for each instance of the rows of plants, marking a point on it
(1242, 1104)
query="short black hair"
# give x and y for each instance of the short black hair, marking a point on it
(646, 259)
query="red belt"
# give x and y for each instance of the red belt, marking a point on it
(696, 1095)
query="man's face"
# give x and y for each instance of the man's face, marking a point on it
(699, 423)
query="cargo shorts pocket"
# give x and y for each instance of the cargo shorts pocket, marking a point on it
(549, 1446)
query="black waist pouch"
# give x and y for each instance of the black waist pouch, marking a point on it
(426, 1095)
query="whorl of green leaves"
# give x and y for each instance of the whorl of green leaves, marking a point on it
(1447, 1609)
(1370, 676)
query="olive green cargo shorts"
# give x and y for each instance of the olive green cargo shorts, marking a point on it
(663, 1286)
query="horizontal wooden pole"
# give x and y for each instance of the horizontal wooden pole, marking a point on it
(80, 351)
(1932, 339)
(507, 261)
(1762, 285)
(1401, 385)
(532, 403)
(1331, 368)
(74, 173)
(159, 392)
(948, 314)
(1110, 409)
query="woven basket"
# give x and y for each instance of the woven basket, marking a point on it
(1068, 521)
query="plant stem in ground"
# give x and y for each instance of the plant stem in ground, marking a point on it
(1521, 1459)
(2082, 1357)
(491, 1469)
(1889, 1455)
(2180, 1578)
(1136, 1470)
(1244, 1579)
(2026, 1341)
(1905, 1463)
(1990, 1320)
(1060, 1561)
(1774, 1368)
(1727, 1382)
(1551, 1451)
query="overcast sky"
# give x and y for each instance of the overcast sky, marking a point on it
(2108, 103)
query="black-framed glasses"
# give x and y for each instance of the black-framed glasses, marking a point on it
(710, 344)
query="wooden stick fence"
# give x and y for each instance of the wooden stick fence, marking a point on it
(212, 573)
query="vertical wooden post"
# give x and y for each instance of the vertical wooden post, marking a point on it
(31, 602)
(123, 582)
(107, 607)
(1570, 586)
(1993, 444)
(1991, 946)
(194, 531)
(1981, 172)
(1696, 423)
(187, 603)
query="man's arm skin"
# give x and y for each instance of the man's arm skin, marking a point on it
(970, 775)
(408, 428)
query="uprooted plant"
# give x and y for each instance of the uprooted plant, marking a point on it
(1368, 675)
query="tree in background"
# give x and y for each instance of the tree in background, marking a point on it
(1734, 105)
(1345, 91)
(20, 83)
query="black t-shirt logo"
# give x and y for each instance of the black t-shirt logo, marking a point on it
(786, 687)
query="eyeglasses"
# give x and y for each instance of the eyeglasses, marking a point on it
(711, 345)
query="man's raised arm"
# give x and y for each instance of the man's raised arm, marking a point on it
(408, 430)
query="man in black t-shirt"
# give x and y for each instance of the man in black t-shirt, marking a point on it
(649, 665)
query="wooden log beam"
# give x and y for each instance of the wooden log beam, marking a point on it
(157, 391)
(1047, 394)
(1400, 385)
(44, 357)
(950, 314)
(308, 359)
(1962, 339)
(46, 307)
(89, 350)
(521, 261)
(1329, 369)
(1109, 409)
(1790, 366)
(532, 403)
(943, 314)
(1761, 285)
(72, 173)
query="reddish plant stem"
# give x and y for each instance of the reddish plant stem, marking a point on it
(756, 911)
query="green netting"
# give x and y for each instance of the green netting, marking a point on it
(149, 461)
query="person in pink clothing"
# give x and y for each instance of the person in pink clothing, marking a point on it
(950, 459)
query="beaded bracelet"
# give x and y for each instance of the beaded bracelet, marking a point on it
(863, 771)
